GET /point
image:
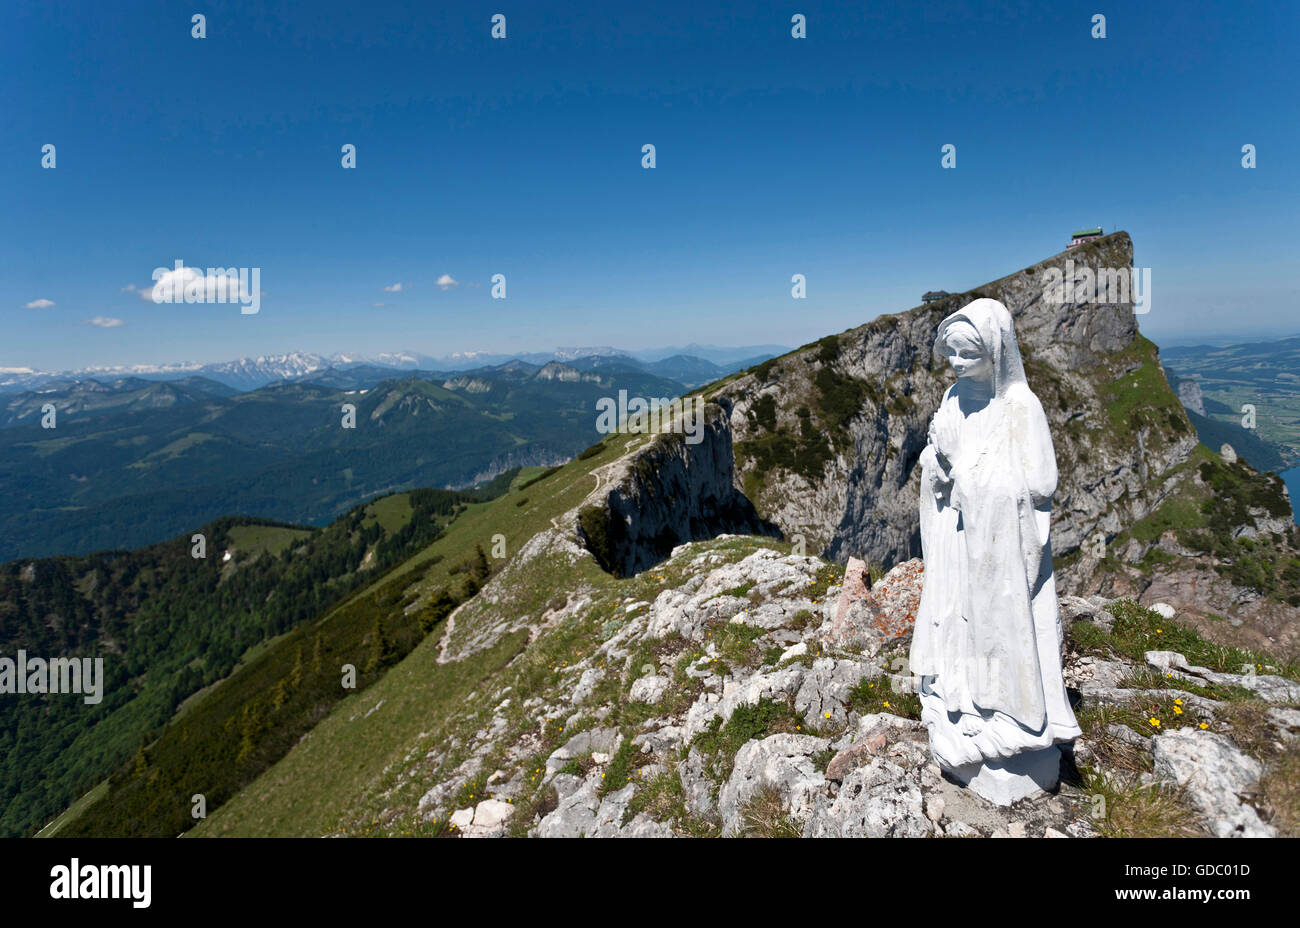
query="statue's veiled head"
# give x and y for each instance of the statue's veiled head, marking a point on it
(965, 352)
(979, 342)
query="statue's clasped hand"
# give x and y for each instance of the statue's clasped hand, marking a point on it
(942, 470)
(947, 492)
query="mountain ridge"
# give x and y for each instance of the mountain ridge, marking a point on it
(627, 670)
(253, 372)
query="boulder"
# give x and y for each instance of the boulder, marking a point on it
(697, 787)
(882, 799)
(796, 650)
(857, 583)
(587, 684)
(1269, 686)
(490, 817)
(649, 689)
(866, 616)
(584, 744)
(1217, 776)
(823, 697)
(781, 762)
(585, 814)
(855, 755)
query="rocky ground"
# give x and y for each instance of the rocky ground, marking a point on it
(740, 689)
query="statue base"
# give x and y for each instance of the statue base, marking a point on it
(1025, 775)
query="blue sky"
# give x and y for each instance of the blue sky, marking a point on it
(522, 156)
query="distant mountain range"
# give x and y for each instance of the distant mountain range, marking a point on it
(694, 364)
(134, 459)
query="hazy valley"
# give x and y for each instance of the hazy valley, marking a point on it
(131, 461)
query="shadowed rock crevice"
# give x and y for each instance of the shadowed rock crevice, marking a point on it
(666, 494)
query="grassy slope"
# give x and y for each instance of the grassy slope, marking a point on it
(73, 812)
(310, 790)
(423, 708)
(275, 538)
(416, 726)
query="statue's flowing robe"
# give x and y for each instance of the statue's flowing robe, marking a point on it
(987, 639)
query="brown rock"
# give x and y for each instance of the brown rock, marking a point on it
(856, 584)
(881, 612)
(857, 754)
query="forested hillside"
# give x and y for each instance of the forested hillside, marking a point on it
(168, 624)
(132, 462)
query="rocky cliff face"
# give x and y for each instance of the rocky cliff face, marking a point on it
(671, 491)
(828, 436)
(1189, 392)
(826, 441)
(531, 454)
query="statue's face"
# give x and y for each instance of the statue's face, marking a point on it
(966, 355)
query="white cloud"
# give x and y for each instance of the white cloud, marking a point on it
(173, 285)
(105, 322)
(193, 285)
(40, 304)
(395, 288)
(446, 282)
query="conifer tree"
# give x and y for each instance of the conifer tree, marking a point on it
(381, 649)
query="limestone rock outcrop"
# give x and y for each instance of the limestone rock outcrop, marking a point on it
(671, 491)
(742, 709)
(856, 492)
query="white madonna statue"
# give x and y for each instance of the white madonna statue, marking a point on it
(986, 646)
